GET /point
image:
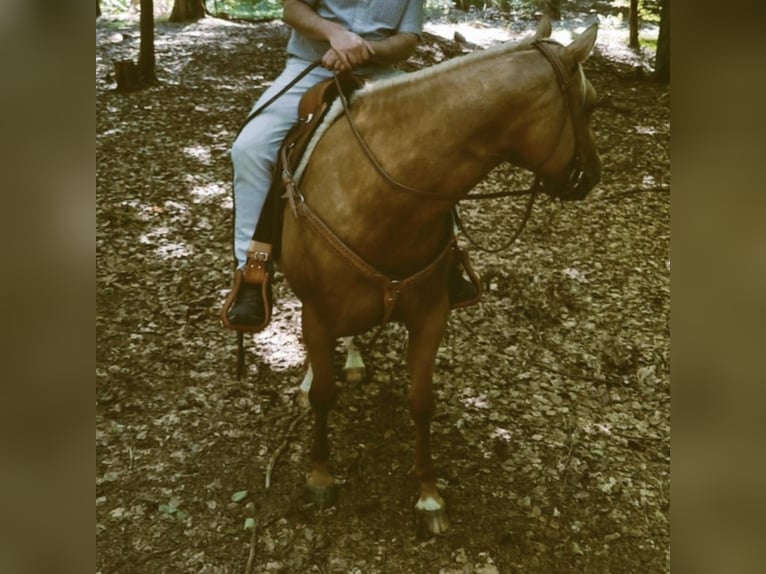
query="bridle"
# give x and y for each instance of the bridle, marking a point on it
(574, 188)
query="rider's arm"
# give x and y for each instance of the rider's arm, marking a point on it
(351, 49)
(394, 49)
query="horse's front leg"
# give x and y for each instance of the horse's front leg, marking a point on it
(424, 338)
(319, 347)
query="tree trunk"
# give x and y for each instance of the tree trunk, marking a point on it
(662, 57)
(98, 8)
(127, 76)
(187, 10)
(146, 50)
(633, 24)
(552, 8)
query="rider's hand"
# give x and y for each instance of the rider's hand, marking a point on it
(331, 61)
(347, 51)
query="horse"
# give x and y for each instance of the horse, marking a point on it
(368, 237)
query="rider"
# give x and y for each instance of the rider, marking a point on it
(344, 36)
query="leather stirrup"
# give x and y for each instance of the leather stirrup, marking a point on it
(257, 271)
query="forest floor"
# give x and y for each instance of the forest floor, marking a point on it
(552, 434)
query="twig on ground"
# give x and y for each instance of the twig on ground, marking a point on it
(283, 446)
(251, 555)
(269, 471)
(253, 535)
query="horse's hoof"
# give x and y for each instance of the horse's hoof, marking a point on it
(323, 496)
(430, 522)
(353, 374)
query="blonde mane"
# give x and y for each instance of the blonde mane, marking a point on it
(457, 62)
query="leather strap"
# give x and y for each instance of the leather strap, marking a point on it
(575, 111)
(392, 288)
(278, 95)
(255, 270)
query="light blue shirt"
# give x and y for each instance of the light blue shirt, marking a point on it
(371, 19)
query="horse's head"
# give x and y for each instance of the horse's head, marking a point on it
(573, 168)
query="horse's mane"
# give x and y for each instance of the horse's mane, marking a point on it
(399, 80)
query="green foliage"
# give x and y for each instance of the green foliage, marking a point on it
(114, 6)
(172, 509)
(648, 10)
(239, 495)
(436, 8)
(648, 42)
(246, 9)
(501, 5)
(162, 8)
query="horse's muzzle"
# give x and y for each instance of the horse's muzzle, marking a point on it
(582, 178)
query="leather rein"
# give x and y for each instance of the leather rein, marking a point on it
(544, 46)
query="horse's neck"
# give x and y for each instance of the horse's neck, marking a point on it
(446, 128)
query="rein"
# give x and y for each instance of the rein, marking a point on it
(543, 46)
(406, 188)
(533, 191)
(278, 95)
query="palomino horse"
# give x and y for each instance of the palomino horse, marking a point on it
(360, 248)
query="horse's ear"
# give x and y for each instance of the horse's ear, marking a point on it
(581, 47)
(543, 27)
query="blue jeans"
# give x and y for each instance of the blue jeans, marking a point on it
(254, 152)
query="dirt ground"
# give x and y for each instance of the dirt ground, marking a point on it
(552, 434)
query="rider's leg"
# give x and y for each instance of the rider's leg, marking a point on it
(253, 155)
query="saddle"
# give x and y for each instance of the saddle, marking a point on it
(312, 109)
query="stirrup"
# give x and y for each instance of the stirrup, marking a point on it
(257, 271)
(461, 258)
